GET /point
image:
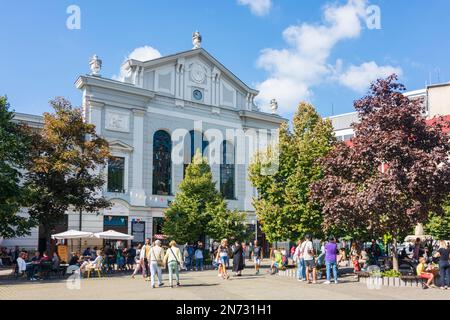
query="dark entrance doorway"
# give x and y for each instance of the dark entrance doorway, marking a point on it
(115, 223)
(61, 226)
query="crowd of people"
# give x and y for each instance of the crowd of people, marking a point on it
(38, 266)
(312, 262)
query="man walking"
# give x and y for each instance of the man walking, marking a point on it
(145, 251)
(156, 259)
(308, 256)
(199, 257)
(298, 257)
(331, 259)
(257, 256)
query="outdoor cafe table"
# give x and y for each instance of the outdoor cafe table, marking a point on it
(6, 260)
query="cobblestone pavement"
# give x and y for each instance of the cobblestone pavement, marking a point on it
(207, 286)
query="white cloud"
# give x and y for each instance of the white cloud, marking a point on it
(304, 63)
(144, 53)
(359, 78)
(257, 7)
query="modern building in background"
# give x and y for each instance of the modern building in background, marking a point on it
(435, 99)
(190, 97)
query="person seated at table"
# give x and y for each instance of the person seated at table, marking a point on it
(342, 258)
(21, 264)
(364, 259)
(90, 265)
(120, 260)
(74, 263)
(94, 253)
(34, 266)
(74, 260)
(45, 257)
(425, 271)
(55, 261)
(87, 252)
(5, 259)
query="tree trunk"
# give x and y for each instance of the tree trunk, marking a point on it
(394, 254)
(48, 240)
(81, 218)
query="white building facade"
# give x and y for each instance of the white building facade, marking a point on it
(162, 112)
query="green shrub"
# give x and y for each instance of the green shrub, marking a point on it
(391, 274)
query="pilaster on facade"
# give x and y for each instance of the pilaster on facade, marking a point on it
(94, 114)
(137, 192)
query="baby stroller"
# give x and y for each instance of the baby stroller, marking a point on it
(320, 266)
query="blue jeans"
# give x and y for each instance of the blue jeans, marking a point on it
(444, 273)
(301, 269)
(199, 264)
(188, 263)
(329, 265)
(155, 271)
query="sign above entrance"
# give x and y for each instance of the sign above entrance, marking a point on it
(115, 221)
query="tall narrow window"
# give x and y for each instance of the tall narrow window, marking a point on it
(162, 163)
(227, 171)
(116, 174)
(196, 141)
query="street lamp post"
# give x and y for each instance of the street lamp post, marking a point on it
(255, 223)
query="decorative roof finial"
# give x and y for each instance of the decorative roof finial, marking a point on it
(96, 65)
(197, 40)
(274, 106)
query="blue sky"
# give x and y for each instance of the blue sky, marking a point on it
(326, 56)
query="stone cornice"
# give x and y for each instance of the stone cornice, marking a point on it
(83, 81)
(266, 117)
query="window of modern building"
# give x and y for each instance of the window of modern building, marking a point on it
(116, 175)
(227, 171)
(162, 163)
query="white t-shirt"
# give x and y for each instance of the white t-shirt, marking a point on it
(307, 246)
(21, 264)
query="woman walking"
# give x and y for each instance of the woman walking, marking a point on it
(444, 266)
(138, 263)
(173, 259)
(238, 259)
(222, 255)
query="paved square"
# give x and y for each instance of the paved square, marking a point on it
(206, 286)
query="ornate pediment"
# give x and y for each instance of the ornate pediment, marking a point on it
(120, 146)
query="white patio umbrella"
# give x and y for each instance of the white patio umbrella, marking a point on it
(113, 235)
(72, 234)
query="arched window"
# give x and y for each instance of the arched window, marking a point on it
(195, 141)
(162, 163)
(227, 171)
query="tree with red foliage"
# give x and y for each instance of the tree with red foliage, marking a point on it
(415, 181)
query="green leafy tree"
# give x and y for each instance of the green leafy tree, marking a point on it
(15, 142)
(199, 209)
(284, 207)
(226, 224)
(186, 218)
(395, 173)
(64, 170)
(438, 226)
